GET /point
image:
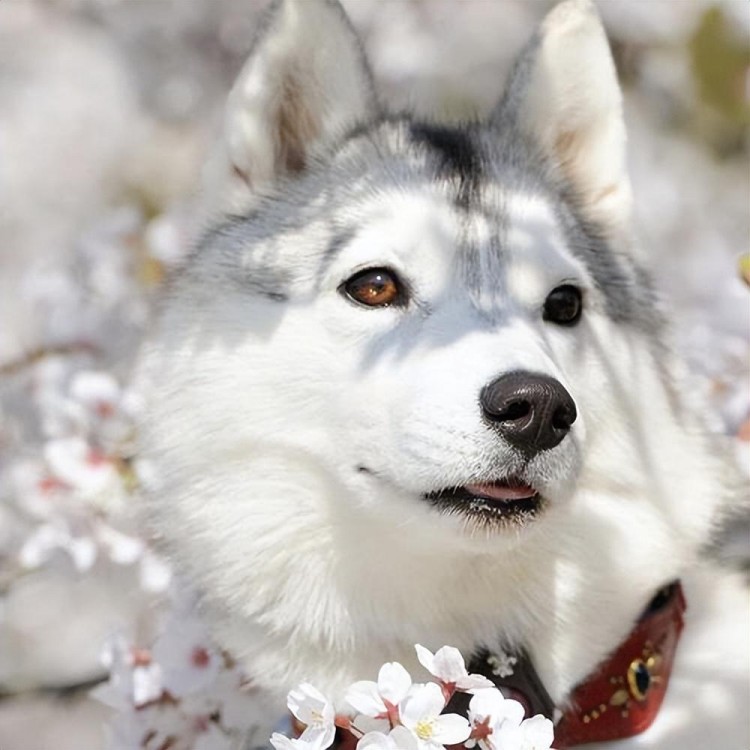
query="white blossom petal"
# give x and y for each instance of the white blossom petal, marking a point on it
(449, 667)
(513, 712)
(315, 711)
(366, 724)
(473, 683)
(492, 703)
(365, 698)
(449, 664)
(282, 742)
(502, 716)
(376, 741)
(398, 739)
(537, 733)
(423, 702)
(450, 729)
(318, 737)
(147, 684)
(309, 705)
(426, 658)
(485, 703)
(403, 738)
(188, 658)
(76, 463)
(394, 682)
(98, 391)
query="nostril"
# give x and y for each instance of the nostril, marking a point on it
(563, 418)
(514, 411)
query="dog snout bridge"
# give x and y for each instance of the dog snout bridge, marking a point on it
(532, 412)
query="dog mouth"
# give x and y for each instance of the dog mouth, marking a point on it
(511, 501)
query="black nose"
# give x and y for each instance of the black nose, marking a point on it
(532, 412)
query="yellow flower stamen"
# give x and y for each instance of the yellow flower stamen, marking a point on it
(425, 729)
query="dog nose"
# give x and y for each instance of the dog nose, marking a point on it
(532, 412)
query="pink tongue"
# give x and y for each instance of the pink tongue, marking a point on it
(501, 492)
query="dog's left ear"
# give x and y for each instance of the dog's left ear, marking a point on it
(564, 94)
(305, 83)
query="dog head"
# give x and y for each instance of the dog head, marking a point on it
(397, 336)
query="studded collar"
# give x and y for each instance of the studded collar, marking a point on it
(621, 698)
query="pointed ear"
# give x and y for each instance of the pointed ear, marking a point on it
(305, 83)
(564, 93)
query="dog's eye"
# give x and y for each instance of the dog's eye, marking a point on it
(374, 287)
(563, 305)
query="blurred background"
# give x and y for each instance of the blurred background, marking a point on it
(107, 108)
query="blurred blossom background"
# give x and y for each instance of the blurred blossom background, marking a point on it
(107, 108)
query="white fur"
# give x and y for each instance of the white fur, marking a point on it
(263, 411)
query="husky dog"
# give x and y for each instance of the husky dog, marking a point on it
(413, 386)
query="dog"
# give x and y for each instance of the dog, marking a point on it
(414, 385)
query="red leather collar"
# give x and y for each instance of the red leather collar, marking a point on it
(623, 696)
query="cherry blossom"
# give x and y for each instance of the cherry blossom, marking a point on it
(135, 680)
(214, 717)
(420, 712)
(380, 699)
(449, 667)
(315, 711)
(81, 466)
(495, 721)
(106, 410)
(39, 493)
(189, 659)
(537, 733)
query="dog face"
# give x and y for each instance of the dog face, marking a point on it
(426, 344)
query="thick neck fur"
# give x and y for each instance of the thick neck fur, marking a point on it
(370, 592)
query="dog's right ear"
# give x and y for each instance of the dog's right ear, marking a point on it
(305, 83)
(564, 94)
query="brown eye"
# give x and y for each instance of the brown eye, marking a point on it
(374, 287)
(563, 305)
